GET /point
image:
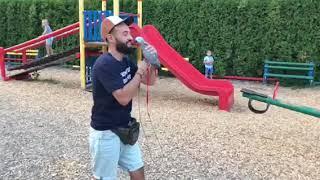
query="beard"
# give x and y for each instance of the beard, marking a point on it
(123, 48)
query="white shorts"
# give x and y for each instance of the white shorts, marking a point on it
(108, 152)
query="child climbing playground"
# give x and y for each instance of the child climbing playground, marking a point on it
(208, 63)
(46, 30)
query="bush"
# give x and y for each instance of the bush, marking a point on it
(242, 33)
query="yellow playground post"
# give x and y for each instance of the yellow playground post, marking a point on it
(82, 47)
(140, 13)
(104, 8)
(139, 52)
(116, 7)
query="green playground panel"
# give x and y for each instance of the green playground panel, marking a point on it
(290, 68)
(283, 69)
(289, 63)
(289, 76)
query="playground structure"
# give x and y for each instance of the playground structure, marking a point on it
(90, 37)
(41, 63)
(30, 55)
(185, 72)
(88, 28)
(30, 65)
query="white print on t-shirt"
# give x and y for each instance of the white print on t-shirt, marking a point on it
(126, 75)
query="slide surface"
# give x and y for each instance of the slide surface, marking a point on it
(186, 73)
(44, 62)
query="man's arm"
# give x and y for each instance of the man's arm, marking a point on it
(125, 94)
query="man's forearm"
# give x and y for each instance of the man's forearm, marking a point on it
(125, 94)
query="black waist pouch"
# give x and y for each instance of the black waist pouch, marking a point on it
(128, 135)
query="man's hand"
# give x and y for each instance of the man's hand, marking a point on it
(142, 67)
(148, 78)
(125, 94)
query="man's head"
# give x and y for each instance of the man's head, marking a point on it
(209, 53)
(116, 32)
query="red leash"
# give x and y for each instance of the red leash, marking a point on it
(275, 91)
(148, 81)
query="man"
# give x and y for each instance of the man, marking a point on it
(116, 81)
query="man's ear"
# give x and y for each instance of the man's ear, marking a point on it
(110, 38)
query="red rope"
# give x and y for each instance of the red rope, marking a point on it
(148, 81)
(275, 91)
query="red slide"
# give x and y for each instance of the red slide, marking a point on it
(186, 73)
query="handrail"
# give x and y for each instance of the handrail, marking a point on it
(42, 38)
(129, 14)
(58, 37)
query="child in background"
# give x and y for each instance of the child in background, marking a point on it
(49, 41)
(208, 63)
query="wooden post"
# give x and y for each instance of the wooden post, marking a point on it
(139, 52)
(104, 8)
(82, 45)
(2, 65)
(104, 5)
(116, 7)
(140, 13)
(24, 56)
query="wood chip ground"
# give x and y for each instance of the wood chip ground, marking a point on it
(44, 132)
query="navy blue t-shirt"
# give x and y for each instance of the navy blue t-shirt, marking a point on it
(109, 75)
